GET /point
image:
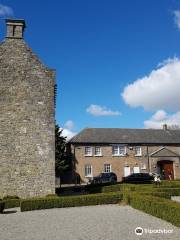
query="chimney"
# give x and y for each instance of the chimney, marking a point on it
(165, 127)
(15, 28)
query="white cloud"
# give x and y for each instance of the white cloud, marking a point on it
(69, 124)
(177, 18)
(68, 133)
(68, 130)
(5, 11)
(158, 90)
(161, 117)
(97, 111)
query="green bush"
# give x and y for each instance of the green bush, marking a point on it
(173, 189)
(156, 206)
(172, 183)
(2, 206)
(51, 195)
(73, 201)
(11, 203)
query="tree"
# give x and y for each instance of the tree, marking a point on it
(174, 127)
(61, 161)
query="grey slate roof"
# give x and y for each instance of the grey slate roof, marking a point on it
(127, 136)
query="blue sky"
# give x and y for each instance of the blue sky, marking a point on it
(117, 61)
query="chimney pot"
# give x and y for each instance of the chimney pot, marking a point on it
(15, 28)
(165, 127)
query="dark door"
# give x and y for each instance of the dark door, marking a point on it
(166, 169)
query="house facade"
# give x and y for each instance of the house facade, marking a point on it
(125, 151)
(27, 125)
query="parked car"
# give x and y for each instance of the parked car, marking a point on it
(138, 178)
(104, 178)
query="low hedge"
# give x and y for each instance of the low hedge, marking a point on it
(11, 203)
(74, 201)
(172, 183)
(159, 207)
(2, 204)
(141, 188)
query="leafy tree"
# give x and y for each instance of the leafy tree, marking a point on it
(61, 161)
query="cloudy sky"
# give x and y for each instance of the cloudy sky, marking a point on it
(117, 62)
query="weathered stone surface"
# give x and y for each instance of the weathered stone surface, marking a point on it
(27, 141)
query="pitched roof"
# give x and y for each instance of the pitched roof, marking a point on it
(129, 136)
(164, 152)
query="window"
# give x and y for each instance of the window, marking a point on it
(98, 151)
(115, 150)
(122, 150)
(119, 150)
(107, 168)
(88, 151)
(88, 170)
(138, 151)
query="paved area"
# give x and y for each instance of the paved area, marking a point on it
(175, 198)
(106, 222)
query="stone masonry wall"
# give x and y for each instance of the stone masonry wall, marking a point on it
(119, 162)
(27, 141)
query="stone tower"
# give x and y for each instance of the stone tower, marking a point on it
(27, 125)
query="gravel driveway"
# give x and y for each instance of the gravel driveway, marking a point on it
(106, 222)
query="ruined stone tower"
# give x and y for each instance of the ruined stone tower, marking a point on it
(27, 141)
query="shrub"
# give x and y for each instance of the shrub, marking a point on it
(51, 195)
(2, 206)
(156, 206)
(73, 201)
(11, 203)
(172, 183)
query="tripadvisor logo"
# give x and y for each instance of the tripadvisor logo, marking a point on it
(138, 231)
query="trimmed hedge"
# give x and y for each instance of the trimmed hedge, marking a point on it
(159, 207)
(2, 204)
(175, 190)
(74, 201)
(11, 203)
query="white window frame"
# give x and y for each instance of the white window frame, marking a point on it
(118, 148)
(122, 154)
(100, 152)
(88, 154)
(140, 153)
(105, 169)
(88, 170)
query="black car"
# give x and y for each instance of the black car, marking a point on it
(104, 178)
(138, 178)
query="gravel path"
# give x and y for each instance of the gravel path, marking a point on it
(106, 222)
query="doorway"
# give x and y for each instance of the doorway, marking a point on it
(126, 171)
(166, 169)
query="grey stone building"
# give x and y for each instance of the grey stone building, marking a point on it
(27, 135)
